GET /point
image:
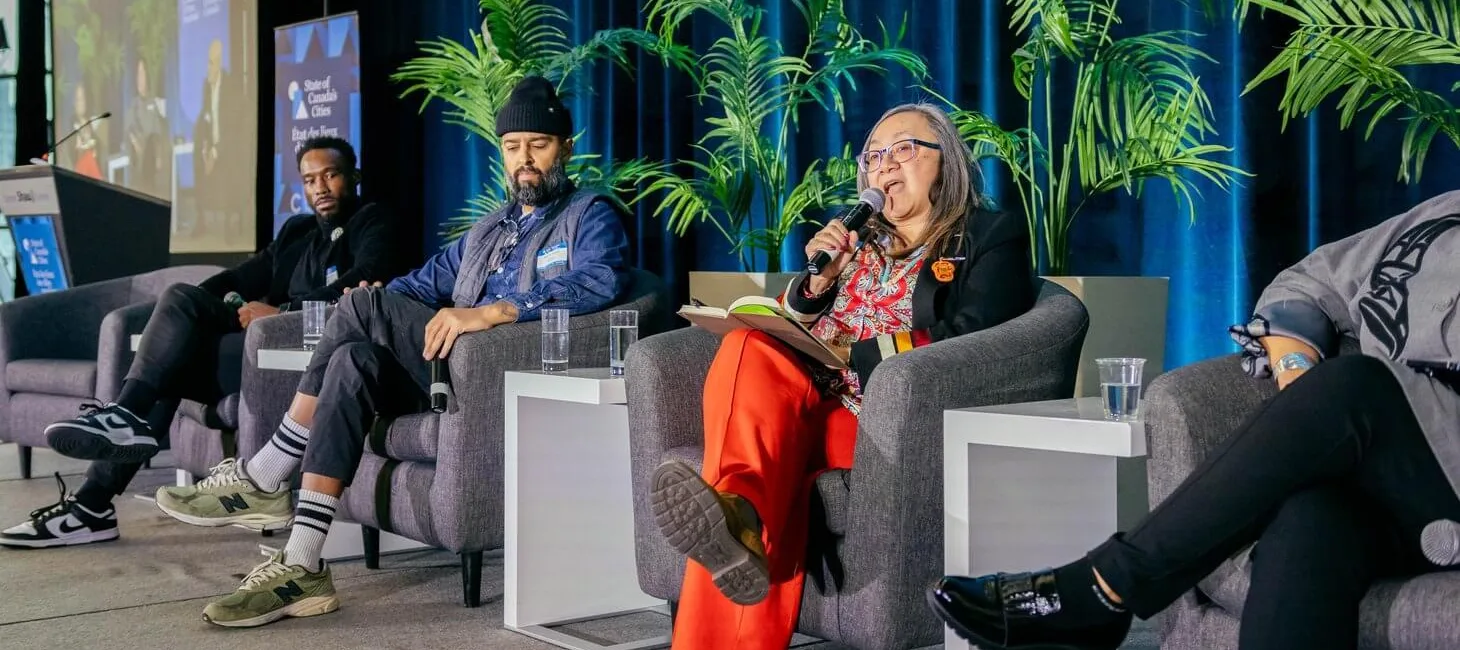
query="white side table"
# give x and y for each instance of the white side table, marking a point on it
(569, 552)
(296, 359)
(1035, 485)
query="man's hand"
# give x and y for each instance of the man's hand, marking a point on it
(364, 285)
(450, 323)
(254, 311)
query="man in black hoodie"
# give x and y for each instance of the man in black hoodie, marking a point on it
(313, 257)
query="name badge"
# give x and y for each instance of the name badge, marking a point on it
(331, 274)
(554, 255)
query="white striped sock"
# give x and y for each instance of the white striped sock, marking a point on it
(312, 520)
(278, 459)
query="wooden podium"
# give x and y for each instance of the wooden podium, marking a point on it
(71, 229)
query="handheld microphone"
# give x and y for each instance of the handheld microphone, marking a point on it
(440, 384)
(72, 134)
(234, 300)
(869, 203)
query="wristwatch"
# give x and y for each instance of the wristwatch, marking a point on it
(1293, 361)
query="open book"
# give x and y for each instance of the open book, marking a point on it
(764, 314)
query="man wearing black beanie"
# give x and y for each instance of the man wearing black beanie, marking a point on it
(552, 245)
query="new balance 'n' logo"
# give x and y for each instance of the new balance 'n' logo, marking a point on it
(288, 592)
(233, 503)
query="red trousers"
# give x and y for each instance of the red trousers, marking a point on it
(768, 433)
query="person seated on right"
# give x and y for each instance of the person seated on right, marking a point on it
(934, 265)
(1339, 478)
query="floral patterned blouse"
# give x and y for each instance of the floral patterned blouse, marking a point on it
(874, 297)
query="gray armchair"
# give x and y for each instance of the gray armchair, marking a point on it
(1189, 412)
(437, 478)
(60, 350)
(877, 529)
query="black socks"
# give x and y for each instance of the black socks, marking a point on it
(1082, 602)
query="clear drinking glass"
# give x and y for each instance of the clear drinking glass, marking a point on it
(313, 322)
(1120, 387)
(554, 340)
(623, 331)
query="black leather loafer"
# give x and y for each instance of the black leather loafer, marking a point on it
(1014, 611)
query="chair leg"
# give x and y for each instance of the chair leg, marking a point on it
(471, 578)
(267, 533)
(673, 612)
(147, 464)
(24, 462)
(370, 540)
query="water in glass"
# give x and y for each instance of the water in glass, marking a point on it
(620, 337)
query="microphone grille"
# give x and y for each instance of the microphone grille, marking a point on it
(874, 197)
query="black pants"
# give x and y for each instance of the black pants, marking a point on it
(368, 362)
(1334, 480)
(192, 348)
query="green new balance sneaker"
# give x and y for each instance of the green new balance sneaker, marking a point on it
(227, 497)
(272, 591)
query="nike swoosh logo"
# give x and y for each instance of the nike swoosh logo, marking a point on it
(67, 530)
(115, 421)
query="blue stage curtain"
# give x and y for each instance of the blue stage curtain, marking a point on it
(1314, 183)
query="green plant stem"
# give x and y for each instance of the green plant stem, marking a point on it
(1055, 200)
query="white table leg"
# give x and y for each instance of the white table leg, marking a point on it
(184, 478)
(569, 552)
(1010, 509)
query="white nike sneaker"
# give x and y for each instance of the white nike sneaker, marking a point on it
(66, 523)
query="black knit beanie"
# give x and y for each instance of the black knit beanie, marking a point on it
(534, 106)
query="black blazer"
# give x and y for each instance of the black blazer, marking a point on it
(295, 266)
(992, 283)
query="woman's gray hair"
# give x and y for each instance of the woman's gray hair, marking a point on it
(955, 194)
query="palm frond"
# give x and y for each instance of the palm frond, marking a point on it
(614, 45)
(1138, 88)
(742, 181)
(473, 81)
(1359, 52)
(525, 32)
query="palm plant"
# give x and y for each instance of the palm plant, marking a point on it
(520, 38)
(742, 184)
(1137, 112)
(1361, 51)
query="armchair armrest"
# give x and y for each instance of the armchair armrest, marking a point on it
(894, 515)
(114, 346)
(59, 325)
(1190, 411)
(265, 394)
(470, 454)
(666, 384)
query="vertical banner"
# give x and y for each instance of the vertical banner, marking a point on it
(317, 93)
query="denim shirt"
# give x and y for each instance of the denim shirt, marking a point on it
(598, 275)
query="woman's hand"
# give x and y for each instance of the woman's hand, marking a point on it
(841, 244)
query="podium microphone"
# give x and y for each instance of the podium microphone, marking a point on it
(440, 384)
(870, 203)
(46, 157)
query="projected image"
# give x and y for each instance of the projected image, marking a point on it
(317, 93)
(172, 74)
(214, 206)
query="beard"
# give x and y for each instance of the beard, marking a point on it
(549, 185)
